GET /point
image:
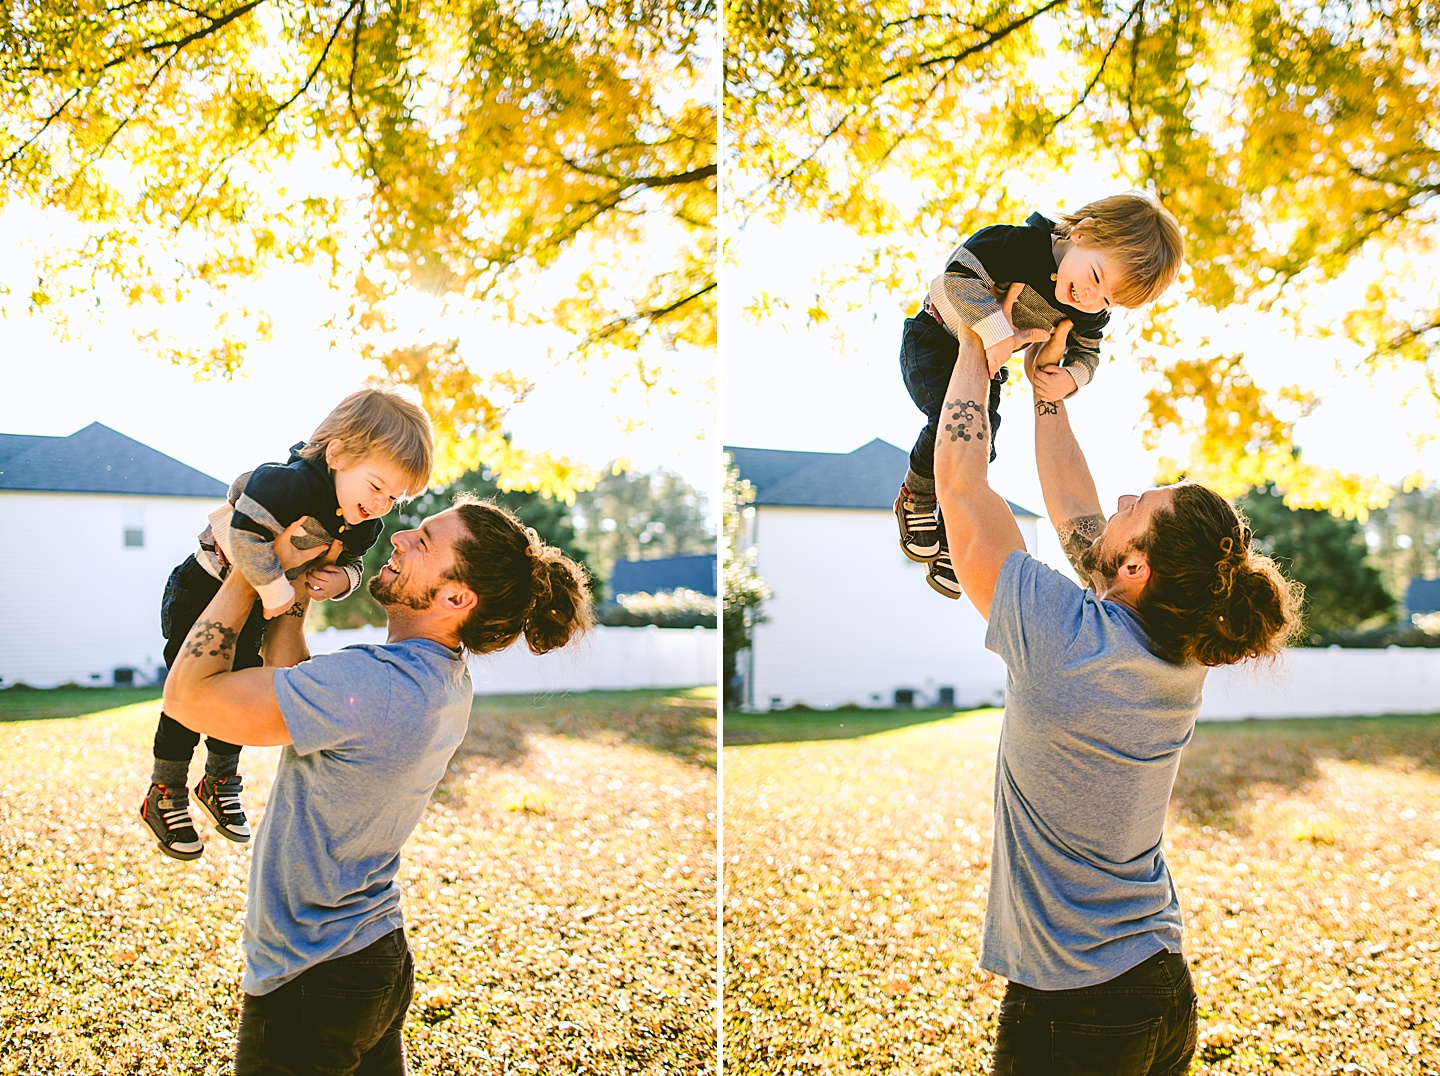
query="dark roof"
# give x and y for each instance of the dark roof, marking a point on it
(868, 477)
(97, 459)
(1422, 596)
(695, 573)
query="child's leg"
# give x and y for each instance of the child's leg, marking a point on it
(188, 590)
(166, 807)
(219, 790)
(927, 357)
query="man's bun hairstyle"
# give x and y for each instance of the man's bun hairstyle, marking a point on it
(1210, 597)
(524, 585)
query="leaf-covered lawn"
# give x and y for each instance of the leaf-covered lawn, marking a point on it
(559, 896)
(1306, 854)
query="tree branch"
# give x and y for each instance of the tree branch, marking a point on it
(1099, 71)
(980, 46)
(43, 127)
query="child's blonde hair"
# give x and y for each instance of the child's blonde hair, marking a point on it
(379, 421)
(1140, 235)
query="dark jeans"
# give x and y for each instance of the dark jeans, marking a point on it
(927, 359)
(338, 1018)
(188, 591)
(1141, 1023)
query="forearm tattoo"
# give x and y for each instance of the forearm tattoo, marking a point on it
(967, 420)
(208, 633)
(298, 609)
(1047, 407)
(1077, 536)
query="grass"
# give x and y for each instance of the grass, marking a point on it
(1306, 855)
(559, 894)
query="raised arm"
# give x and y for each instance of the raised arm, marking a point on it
(206, 695)
(1071, 501)
(979, 527)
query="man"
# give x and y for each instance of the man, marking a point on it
(369, 731)
(1103, 688)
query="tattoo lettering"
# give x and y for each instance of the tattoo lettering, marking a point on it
(207, 633)
(1077, 536)
(298, 609)
(967, 420)
(1046, 407)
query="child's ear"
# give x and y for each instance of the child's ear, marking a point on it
(1079, 228)
(334, 453)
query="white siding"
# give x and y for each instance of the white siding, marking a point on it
(1327, 683)
(851, 619)
(78, 603)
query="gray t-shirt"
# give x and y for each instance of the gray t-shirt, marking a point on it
(372, 729)
(1089, 747)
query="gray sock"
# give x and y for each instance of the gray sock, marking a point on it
(217, 765)
(920, 487)
(171, 773)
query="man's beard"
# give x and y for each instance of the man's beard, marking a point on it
(1102, 562)
(393, 593)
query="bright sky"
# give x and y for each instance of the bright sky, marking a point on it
(53, 386)
(833, 388)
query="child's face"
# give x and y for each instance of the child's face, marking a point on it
(365, 487)
(1085, 278)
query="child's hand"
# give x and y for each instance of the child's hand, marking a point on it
(1053, 383)
(1048, 354)
(326, 582)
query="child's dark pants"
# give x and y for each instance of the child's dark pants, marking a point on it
(927, 359)
(188, 591)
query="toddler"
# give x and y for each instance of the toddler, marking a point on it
(1124, 250)
(374, 448)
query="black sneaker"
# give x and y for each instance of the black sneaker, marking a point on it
(220, 796)
(919, 531)
(167, 812)
(941, 575)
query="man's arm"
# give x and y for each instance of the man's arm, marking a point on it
(1071, 501)
(205, 695)
(979, 527)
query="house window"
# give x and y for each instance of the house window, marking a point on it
(134, 527)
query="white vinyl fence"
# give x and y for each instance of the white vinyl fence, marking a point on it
(608, 659)
(1327, 682)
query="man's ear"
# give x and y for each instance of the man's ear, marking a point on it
(1136, 569)
(457, 598)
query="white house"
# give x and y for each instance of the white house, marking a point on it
(851, 620)
(90, 527)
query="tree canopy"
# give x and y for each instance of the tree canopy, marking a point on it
(458, 149)
(1297, 144)
(1325, 552)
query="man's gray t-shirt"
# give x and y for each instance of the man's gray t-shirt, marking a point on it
(1089, 748)
(372, 729)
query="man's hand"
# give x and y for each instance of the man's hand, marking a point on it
(998, 353)
(291, 557)
(325, 582)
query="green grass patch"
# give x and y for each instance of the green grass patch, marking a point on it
(28, 704)
(1306, 855)
(797, 726)
(559, 895)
